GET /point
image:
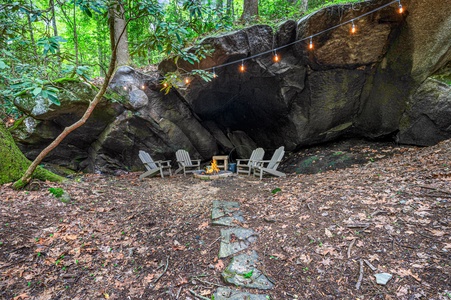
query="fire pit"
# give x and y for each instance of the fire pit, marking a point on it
(212, 172)
(205, 176)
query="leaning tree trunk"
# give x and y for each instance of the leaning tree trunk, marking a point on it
(250, 10)
(117, 22)
(13, 163)
(25, 179)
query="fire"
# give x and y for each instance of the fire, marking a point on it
(213, 169)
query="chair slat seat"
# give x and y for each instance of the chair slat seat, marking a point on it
(245, 165)
(270, 166)
(153, 167)
(186, 164)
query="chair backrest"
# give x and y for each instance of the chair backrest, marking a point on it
(183, 157)
(147, 160)
(256, 155)
(276, 158)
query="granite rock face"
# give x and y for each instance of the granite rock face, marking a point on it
(371, 84)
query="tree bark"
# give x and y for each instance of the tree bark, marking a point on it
(13, 163)
(117, 22)
(250, 10)
(75, 36)
(30, 28)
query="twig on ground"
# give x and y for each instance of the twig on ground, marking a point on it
(207, 282)
(164, 271)
(350, 247)
(373, 268)
(214, 242)
(432, 188)
(359, 225)
(426, 235)
(178, 293)
(359, 282)
(198, 296)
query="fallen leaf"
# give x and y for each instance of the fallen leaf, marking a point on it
(203, 225)
(219, 265)
(21, 296)
(328, 233)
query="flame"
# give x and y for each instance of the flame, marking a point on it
(213, 169)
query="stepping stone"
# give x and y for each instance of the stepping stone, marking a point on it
(226, 213)
(235, 239)
(228, 294)
(242, 271)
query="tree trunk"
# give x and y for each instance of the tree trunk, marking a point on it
(304, 5)
(30, 28)
(13, 163)
(117, 22)
(52, 7)
(25, 179)
(219, 5)
(250, 10)
(75, 36)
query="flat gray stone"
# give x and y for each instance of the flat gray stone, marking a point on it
(228, 294)
(226, 213)
(242, 271)
(235, 239)
(383, 278)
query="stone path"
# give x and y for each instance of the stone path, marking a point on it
(243, 268)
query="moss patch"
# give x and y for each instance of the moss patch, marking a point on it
(14, 164)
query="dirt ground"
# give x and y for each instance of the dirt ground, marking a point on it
(354, 205)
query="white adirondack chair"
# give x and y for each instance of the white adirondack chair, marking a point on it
(153, 167)
(185, 162)
(270, 166)
(245, 165)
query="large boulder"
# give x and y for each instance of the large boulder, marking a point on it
(369, 84)
(427, 120)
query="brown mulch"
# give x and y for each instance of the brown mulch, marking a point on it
(121, 238)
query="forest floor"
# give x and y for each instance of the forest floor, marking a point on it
(122, 238)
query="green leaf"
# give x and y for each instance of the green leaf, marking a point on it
(276, 190)
(37, 91)
(248, 274)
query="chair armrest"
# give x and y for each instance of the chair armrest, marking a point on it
(164, 163)
(238, 161)
(196, 162)
(261, 163)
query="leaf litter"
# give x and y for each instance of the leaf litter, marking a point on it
(121, 238)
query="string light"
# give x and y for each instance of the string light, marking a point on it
(353, 28)
(276, 58)
(242, 66)
(143, 87)
(165, 84)
(125, 88)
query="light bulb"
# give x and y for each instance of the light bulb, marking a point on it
(186, 80)
(310, 46)
(214, 73)
(276, 57)
(400, 9)
(143, 87)
(125, 88)
(165, 84)
(242, 67)
(353, 28)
